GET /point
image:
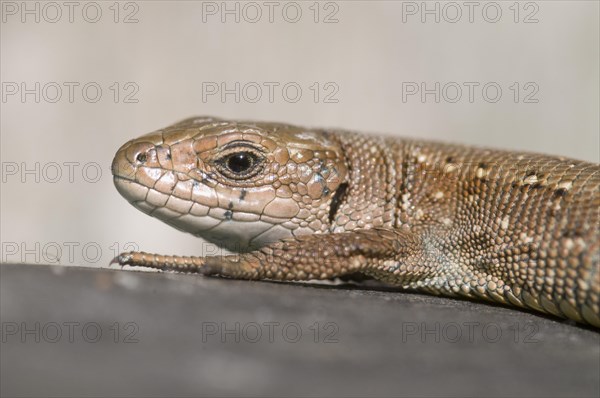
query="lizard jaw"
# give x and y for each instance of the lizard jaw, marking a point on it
(235, 231)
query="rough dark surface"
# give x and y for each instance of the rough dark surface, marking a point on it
(173, 340)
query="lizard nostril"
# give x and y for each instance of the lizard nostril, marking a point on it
(141, 157)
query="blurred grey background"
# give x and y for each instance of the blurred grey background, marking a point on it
(357, 64)
(79, 79)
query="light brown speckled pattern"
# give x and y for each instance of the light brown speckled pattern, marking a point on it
(521, 229)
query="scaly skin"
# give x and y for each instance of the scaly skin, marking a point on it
(521, 229)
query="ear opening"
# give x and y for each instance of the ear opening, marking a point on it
(338, 198)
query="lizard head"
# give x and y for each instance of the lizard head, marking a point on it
(240, 185)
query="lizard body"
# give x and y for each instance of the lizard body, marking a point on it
(521, 229)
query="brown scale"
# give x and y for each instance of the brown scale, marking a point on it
(520, 229)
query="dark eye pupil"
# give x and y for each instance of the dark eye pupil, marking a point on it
(239, 162)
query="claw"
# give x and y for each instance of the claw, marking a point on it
(122, 259)
(211, 266)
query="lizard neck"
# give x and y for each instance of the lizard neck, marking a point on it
(370, 197)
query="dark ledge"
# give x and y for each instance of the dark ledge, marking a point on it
(175, 335)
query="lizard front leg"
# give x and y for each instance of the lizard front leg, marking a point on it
(320, 256)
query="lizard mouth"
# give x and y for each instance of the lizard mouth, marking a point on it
(237, 231)
(130, 189)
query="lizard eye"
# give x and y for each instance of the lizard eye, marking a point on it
(240, 164)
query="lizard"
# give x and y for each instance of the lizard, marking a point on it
(295, 204)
